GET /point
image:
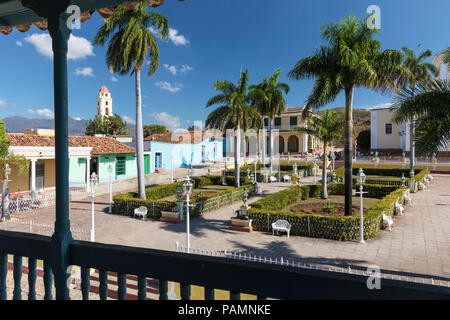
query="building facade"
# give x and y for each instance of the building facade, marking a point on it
(87, 154)
(286, 138)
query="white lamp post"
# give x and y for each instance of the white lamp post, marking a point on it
(333, 157)
(110, 170)
(93, 183)
(5, 194)
(361, 179)
(187, 188)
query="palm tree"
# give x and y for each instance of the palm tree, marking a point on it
(353, 59)
(8, 159)
(269, 101)
(422, 72)
(328, 128)
(430, 105)
(234, 113)
(131, 42)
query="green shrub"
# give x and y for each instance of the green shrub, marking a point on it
(270, 209)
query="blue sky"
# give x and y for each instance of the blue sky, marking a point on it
(210, 40)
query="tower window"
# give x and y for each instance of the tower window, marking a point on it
(388, 128)
(106, 112)
(106, 102)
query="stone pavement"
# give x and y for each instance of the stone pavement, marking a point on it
(418, 246)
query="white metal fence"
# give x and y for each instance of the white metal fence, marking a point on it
(42, 229)
(240, 255)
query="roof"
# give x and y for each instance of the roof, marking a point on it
(13, 14)
(104, 89)
(99, 145)
(188, 137)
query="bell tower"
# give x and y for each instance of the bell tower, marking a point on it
(104, 102)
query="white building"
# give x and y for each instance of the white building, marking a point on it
(104, 102)
(444, 72)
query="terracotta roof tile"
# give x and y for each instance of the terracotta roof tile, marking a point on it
(100, 145)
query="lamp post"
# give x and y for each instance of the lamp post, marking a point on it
(93, 183)
(110, 170)
(224, 182)
(187, 188)
(403, 181)
(333, 157)
(361, 179)
(5, 194)
(314, 169)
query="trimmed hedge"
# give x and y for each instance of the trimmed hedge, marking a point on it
(268, 210)
(125, 203)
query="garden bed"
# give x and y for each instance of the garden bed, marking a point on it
(319, 206)
(164, 197)
(272, 208)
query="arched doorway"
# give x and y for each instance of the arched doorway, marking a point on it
(280, 144)
(293, 144)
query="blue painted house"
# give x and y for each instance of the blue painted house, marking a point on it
(174, 150)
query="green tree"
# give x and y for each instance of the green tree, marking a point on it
(234, 112)
(269, 101)
(154, 128)
(328, 128)
(107, 125)
(430, 105)
(353, 59)
(422, 73)
(131, 42)
(7, 159)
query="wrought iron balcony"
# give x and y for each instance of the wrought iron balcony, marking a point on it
(236, 276)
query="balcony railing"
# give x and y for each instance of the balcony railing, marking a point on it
(236, 276)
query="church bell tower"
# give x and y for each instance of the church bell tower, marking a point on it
(104, 102)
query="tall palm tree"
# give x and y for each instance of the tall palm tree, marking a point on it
(8, 159)
(430, 105)
(328, 128)
(353, 59)
(131, 42)
(270, 102)
(422, 72)
(234, 112)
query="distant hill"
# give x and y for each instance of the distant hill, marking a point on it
(17, 124)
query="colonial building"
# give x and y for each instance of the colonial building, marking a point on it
(164, 151)
(87, 154)
(390, 137)
(289, 139)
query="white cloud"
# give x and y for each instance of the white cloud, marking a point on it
(77, 119)
(129, 120)
(114, 79)
(2, 103)
(19, 43)
(177, 39)
(176, 71)
(166, 119)
(174, 36)
(85, 72)
(46, 113)
(165, 85)
(78, 47)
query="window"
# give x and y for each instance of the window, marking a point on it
(121, 168)
(266, 122)
(106, 102)
(277, 122)
(106, 111)
(388, 128)
(293, 121)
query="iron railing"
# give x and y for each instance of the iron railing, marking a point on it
(235, 276)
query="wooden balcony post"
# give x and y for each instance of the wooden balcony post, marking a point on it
(61, 239)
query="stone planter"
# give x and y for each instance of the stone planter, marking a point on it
(241, 225)
(171, 217)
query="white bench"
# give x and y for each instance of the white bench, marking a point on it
(140, 212)
(273, 179)
(408, 197)
(388, 220)
(422, 186)
(281, 225)
(287, 178)
(399, 208)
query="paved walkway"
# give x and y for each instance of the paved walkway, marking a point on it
(418, 246)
